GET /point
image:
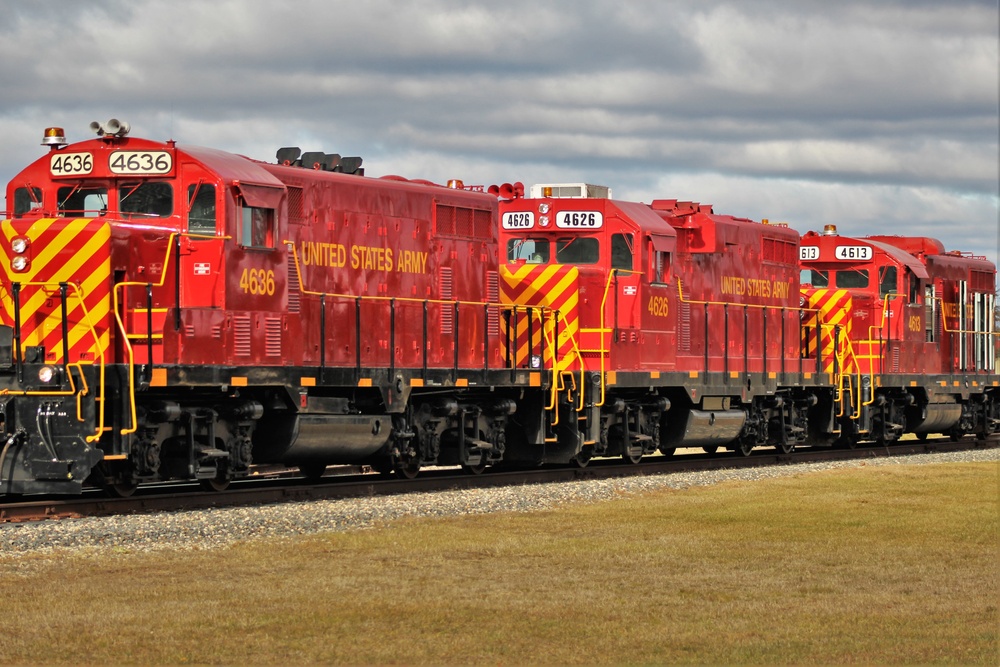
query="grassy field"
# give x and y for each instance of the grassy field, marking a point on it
(871, 565)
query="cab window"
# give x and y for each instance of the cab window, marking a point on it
(577, 250)
(532, 251)
(258, 227)
(815, 278)
(852, 278)
(201, 208)
(146, 199)
(27, 199)
(621, 251)
(82, 201)
(887, 277)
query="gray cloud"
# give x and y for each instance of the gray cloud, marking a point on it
(860, 112)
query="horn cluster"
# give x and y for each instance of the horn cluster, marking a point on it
(507, 190)
(112, 128)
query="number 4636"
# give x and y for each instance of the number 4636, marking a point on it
(257, 282)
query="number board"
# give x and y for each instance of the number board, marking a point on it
(518, 220)
(71, 164)
(579, 219)
(141, 162)
(853, 253)
(809, 253)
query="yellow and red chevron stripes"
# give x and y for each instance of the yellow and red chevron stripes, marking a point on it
(547, 288)
(830, 308)
(76, 252)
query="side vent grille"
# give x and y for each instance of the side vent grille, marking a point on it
(684, 330)
(241, 335)
(272, 336)
(493, 296)
(446, 291)
(294, 293)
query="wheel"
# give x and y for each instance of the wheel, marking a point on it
(121, 489)
(312, 470)
(214, 484)
(475, 469)
(785, 447)
(710, 449)
(667, 451)
(582, 458)
(744, 448)
(631, 458)
(407, 470)
(922, 437)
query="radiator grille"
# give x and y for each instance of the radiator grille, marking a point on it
(241, 335)
(272, 336)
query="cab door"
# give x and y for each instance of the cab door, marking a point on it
(201, 247)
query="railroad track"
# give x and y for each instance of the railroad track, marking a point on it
(280, 488)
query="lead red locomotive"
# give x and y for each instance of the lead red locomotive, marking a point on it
(175, 312)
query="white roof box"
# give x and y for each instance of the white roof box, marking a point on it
(570, 191)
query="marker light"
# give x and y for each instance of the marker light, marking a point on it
(46, 374)
(19, 263)
(547, 191)
(19, 245)
(456, 184)
(54, 136)
(830, 230)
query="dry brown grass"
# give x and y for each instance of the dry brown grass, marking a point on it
(873, 565)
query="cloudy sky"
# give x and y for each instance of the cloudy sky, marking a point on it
(878, 116)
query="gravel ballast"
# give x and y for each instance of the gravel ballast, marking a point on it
(206, 529)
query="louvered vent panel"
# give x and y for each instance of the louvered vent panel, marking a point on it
(684, 329)
(294, 293)
(493, 296)
(446, 291)
(272, 336)
(241, 335)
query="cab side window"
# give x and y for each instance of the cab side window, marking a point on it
(621, 251)
(201, 208)
(257, 230)
(887, 281)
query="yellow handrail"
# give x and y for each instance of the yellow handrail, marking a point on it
(121, 325)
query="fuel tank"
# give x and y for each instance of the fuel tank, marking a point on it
(704, 428)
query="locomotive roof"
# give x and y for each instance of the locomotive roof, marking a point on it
(233, 167)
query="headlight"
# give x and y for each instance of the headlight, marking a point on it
(19, 263)
(543, 208)
(19, 245)
(543, 221)
(46, 374)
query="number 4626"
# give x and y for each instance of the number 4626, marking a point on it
(258, 282)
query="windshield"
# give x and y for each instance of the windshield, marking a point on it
(87, 201)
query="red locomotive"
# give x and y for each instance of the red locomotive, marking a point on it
(673, 326)
(909, 330)
(173, 312)
(181, 312)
